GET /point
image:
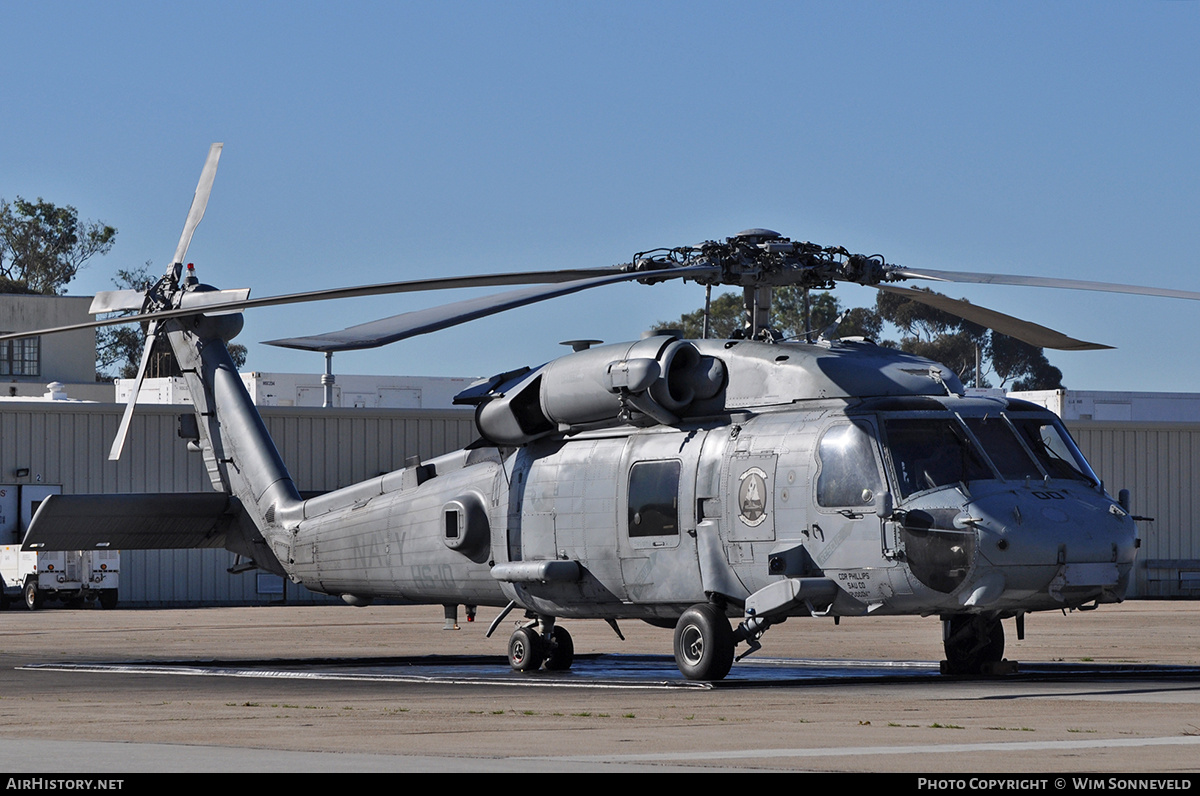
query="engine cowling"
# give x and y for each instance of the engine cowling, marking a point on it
(656, 377)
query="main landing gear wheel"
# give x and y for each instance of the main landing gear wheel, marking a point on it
(704, 643)
(525, 650)
(972, 642)
(561, 654)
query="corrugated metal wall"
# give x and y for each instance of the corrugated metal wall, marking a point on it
(324, 449)
(1159, 463)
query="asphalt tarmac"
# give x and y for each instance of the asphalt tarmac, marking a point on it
(385, 688)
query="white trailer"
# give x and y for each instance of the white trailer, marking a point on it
(72, 576)
(32, 577)
(1105, 406)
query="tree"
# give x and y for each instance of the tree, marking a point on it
(1024, 365)
(824, 310)
(925, 331)
(727, 312)
(725, 317)
(954, 342)
(43, 246)
(120, 347)
(934, 334)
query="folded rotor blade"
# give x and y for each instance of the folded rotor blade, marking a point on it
(1025, 331)
(411, 324)
(199, 202)
(122, 430)
(1042, 281)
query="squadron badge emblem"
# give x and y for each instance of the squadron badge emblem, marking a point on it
(752, 497)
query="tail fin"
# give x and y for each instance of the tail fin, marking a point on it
(240, 456)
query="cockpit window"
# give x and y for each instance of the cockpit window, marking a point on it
(1002, 447)
(933, 452)
(1054, 449)
(849, 474)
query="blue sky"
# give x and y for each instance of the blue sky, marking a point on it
(376, 141)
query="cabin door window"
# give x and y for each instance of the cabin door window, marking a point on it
(654, 499)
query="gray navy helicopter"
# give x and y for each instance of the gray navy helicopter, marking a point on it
(685, 483)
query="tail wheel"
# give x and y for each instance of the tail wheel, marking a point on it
(971, 642)
(525, 650)
(561, 654)
(704, 643)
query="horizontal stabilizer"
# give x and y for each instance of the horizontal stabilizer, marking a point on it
(131, 522)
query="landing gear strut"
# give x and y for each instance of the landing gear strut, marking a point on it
(541, 644)
(704, 643)
(974, 643)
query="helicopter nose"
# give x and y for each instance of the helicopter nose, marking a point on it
(1071, 548)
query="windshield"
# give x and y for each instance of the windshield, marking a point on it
(931, 452)
(935, 451)
(1054, 449)
(1001, 445)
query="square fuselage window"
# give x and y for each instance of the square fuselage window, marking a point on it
(654, 499)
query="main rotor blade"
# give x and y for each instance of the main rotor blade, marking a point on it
(383, 288)
(199, 203)
(1025, 331)
(411, 324)
(439, 283)
(123, 430)
(1043, 281)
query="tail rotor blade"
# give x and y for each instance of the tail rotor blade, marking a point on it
(117, 301)
(123, 430)
(199, 202)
